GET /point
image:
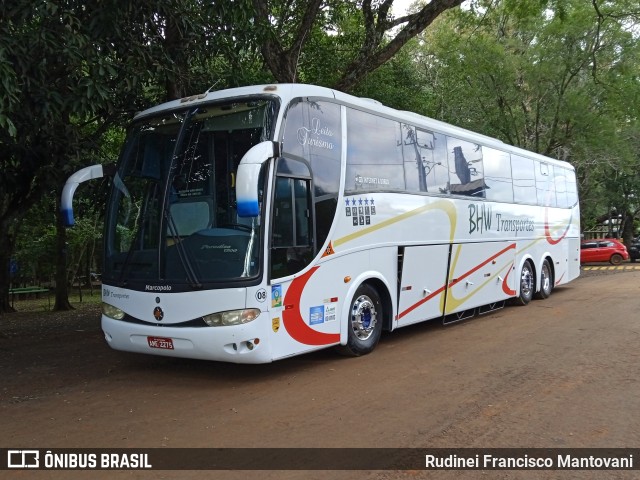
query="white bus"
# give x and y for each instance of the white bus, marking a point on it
(257, 223)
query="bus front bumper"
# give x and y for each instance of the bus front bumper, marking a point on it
(248, 343)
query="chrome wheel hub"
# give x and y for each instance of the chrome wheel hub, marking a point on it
(363, 317)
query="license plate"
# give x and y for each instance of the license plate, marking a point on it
(160, 342)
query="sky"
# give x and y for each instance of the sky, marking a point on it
(400, 7)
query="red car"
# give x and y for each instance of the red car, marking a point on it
(603, 250)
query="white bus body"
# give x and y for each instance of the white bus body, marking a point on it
(344, 219)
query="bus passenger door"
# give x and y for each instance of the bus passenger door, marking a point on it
(480, 274)
(422, 283)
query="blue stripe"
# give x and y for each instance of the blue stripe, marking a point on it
(67, 217)
(248, 208)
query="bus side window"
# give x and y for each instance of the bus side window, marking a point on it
(497, 175)
(572, 188)
(465, 163)
(425, 161)
(524, 180)
(546, 193)
(292, 231)
(374, 153)
(313, 132)
(283, 225)
(560, 186)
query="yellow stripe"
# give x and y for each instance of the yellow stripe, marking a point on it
(443, 205)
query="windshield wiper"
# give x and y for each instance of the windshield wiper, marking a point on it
(119, 184)
(182, 252)
(248, 256)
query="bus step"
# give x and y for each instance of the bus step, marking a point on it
(459, 316)
(492, 307)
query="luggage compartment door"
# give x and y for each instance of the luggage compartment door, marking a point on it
(480, 274)
(422, 283)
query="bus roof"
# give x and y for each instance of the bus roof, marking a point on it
(288, 91)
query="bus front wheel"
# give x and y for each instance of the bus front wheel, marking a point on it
(365, 322)
(527, 284)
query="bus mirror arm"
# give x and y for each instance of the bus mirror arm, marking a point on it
(87, 173)
(248, 175)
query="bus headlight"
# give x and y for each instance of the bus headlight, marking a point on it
(112, 312)
(231, 317)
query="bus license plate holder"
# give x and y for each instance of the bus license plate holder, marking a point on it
(162, 343)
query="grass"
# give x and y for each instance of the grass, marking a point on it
(44, 304)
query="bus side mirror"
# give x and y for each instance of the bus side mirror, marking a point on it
(247, 177)
(87, 173)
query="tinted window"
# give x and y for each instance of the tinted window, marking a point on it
(294, 168)
(172, 216)
(374, 153)
(524, 183)
(425, 161)
(545, 184)
(291, 213)
(292, 234)
(560, 187)
(465, 159)
(572, 188)
(497, 175)
(313, 132)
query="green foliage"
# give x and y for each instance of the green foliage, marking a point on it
(399, 83)
(70, 72)
(556, 77)
(331, 44)
(37, 243)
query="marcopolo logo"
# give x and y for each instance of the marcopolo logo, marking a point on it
(157, 288)
(23, 459)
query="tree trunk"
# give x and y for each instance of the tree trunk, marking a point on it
(175, 48)
(6, 247)
(62, 283)
(375, 51)
(627, 228)
(281, 59)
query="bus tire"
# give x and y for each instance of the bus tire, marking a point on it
(527, 284)
(365, 322)
(546, 281)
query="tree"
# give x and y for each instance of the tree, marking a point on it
(284, 30)
(70, 72)
(554, 77)
(53, 95)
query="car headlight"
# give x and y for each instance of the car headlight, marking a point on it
(112, 312)
(231, 317)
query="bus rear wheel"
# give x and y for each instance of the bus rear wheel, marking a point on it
(546, 281)
(365, 322)
(527, 284)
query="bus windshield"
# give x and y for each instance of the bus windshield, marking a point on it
(172, 218)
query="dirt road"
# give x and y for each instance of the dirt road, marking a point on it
(562, 372)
